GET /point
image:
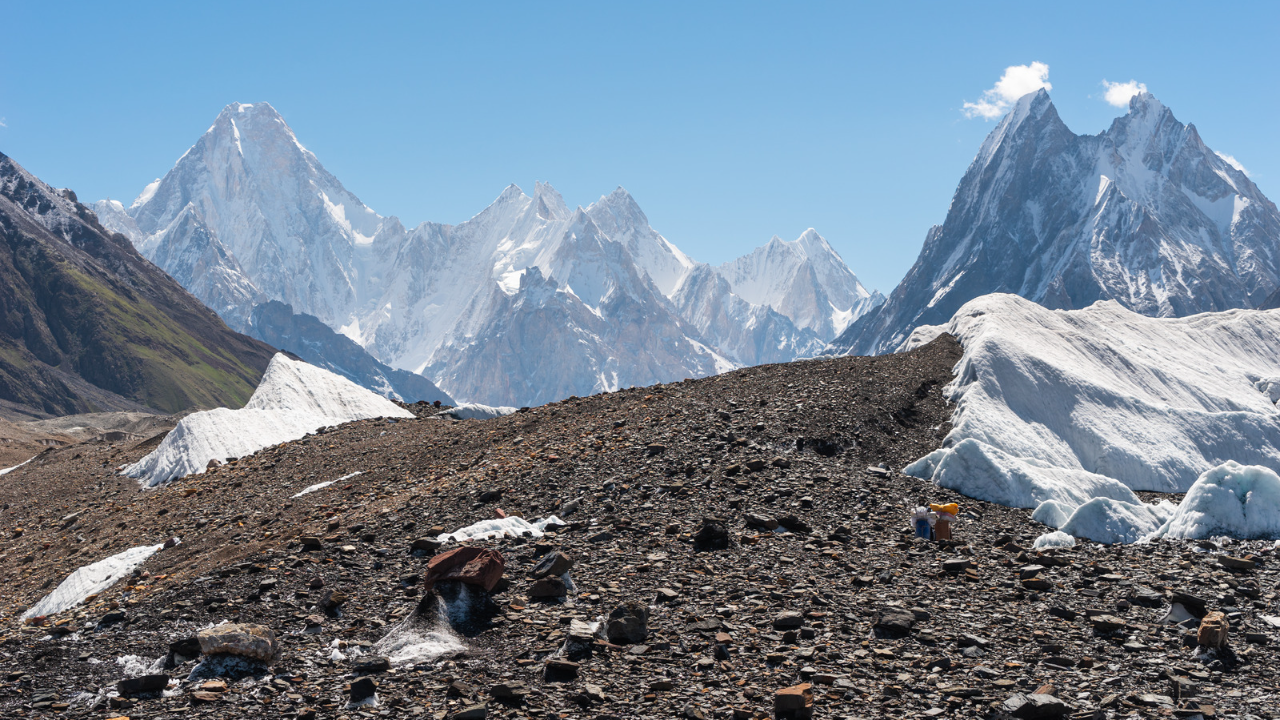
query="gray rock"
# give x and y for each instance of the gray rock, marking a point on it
(628, 624)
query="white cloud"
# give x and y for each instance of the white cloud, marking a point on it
(1118, 94)
(1232, 162)
(1017, 80)
(2, 122)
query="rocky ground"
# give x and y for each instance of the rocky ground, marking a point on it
(758, 519)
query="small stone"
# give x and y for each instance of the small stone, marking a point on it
(558, 670)
(553, 563)
(1235, 563)
(1106, 624)
(509, 690)
(371, 664)
(794, 702)
(789, 620)
(256, 642)
(471, 712)
(894, 622)
(713, 535)
(1213, 631)
(548, 587)
(1035, 706)
(424, 546)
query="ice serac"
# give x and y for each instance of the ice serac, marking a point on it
(804, 280)
(1057, 409)
(296, 232)
(1144, 214)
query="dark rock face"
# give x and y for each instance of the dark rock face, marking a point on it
(275, 323)
(87, 324)
(1064, 220)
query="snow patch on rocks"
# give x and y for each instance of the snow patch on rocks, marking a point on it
(293, 399)
(497, 528)
(475, 411)
(1055, 539)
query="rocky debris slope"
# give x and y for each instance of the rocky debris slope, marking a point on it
(731, 547)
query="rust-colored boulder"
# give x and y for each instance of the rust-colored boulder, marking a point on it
(1213, 631)
(480, 567)
(794, 702)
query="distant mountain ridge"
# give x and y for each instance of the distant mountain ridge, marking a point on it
(87, 324)
(1144, 214)
(276, 323)
(249, 215)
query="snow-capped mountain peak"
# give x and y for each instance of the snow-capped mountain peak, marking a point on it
(527, 301)
(1144, 214)
(620, 217)
(804, 279)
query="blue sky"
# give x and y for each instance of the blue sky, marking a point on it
(729, 122)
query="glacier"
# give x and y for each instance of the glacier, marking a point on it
(293, 399)
(1069, 412)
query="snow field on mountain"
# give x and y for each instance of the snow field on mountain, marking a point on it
(1068, 412)
(293, 399)
(91, 579)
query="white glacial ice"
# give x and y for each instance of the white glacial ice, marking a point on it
(475, 411)
(1068, 412)
(1241, 501)
(293, 399)
(90, 580)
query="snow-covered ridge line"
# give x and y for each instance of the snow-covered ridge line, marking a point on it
(1069, 412)
(293, 399)
(249, 215)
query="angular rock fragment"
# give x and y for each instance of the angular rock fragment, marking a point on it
(628, 624)
(255, 642)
